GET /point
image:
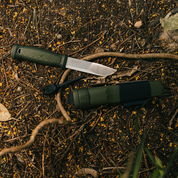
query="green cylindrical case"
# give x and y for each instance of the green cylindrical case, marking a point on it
(38, 55)
(124, 92)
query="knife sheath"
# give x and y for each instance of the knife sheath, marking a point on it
(133, 92)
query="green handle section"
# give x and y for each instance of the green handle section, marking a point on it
(124, 92)
(38, 55)
(89, 97)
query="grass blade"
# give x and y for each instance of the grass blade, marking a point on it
(34, 16)
(129, 167)
(27, 25)
(159, 163)
(169, 164)
(139, 156)
(155, 173)
(150, 155)
(158, 172)
(153, 159)
(116, 168)
(3, 56)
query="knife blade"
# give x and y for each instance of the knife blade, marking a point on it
(45, 57)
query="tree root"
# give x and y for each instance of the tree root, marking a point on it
(32, 138)
(132, 56)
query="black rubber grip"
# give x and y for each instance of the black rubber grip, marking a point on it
(132, 91)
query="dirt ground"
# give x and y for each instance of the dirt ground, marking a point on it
(100, 138)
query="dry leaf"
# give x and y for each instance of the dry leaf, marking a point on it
(170, 38)
(4, 113)
(170, 23)
(19, 158)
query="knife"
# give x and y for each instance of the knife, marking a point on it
(129, 93)
(45, 57)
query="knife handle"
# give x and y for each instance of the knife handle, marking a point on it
(38, 55)
(124, 92)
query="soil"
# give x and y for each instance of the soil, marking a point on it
(101, 138)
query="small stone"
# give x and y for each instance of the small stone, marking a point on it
(59, 36)
(85, 39)
(19, 89)
(138, 24)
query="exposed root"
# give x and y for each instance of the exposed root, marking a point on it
(32, 138)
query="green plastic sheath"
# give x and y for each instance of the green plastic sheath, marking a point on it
(89, 97)
(38, 55)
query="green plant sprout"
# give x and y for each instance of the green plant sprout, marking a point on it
(159, 171)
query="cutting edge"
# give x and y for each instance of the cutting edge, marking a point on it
(89, 67)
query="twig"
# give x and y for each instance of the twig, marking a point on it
(16, 138)
(107, 168)
(4, 70)
(23, 83)
(23, 108)
(53, 38)
(125, 40)
(170, 122)
(104, 158)
(75, 41)
(146, 164)
(27, 25)
(86, 46)
(112, 61)
(64, 154)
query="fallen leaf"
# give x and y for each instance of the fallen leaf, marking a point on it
(169, 39)
(170, 23)
(4, 113)
(19, 158)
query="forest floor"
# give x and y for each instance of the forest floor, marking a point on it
(100, 138)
